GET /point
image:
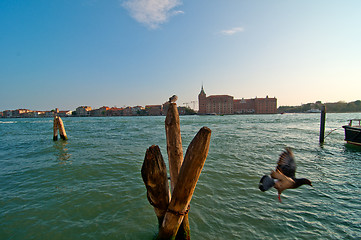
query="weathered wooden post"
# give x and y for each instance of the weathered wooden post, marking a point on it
(174, 143)
(188, 176)
(175, 158)
(322, 124)
(55, 128)
(154, 174)
(62, 132)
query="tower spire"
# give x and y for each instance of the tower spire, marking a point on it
(202, 90)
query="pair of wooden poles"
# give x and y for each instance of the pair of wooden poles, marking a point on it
(58, 124)
(172, 209)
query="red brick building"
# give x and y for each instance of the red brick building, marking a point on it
(225, 104)
(219, 104)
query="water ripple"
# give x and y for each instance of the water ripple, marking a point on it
(90, 186)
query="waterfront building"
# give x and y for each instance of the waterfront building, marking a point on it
(225, 104)
(137, 110)
(83, 111)
(127, 111)
(202, 102)
(48, 114)
(154, 110)
(114, 111)
(7, 113)
(65, 113)
(19, 112)
(100, 112)
(219, 104)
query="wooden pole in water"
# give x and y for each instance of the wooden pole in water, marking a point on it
(55, 128)
(154, 174)
(174, 143)
(322, 124)
(188, 176)
(62, 129)
(175, 158)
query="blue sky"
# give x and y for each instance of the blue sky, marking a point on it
(67, 53)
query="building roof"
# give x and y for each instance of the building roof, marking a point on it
(220, 96)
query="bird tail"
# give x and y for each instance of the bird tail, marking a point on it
(266, 183)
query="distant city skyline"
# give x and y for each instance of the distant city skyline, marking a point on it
(65, 54)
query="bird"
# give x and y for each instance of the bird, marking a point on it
(284, 175)
(173, 99)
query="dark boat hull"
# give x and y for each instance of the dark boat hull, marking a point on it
(352, 135)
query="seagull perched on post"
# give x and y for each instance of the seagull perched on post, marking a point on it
(173, 99)
(284, 176)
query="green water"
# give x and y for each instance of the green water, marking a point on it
(90, 186)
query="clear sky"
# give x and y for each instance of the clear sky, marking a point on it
(68, 53)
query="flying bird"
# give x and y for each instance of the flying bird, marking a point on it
(284, 176)
(173, 99)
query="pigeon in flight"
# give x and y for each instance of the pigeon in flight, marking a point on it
(284, 176)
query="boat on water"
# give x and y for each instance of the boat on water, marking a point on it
(313, 110)
(353, 132)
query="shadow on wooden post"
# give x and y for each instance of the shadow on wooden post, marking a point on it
(55, 128)
(154, 174)
(188, 176)
(175, 158)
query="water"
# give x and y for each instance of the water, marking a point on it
(90, 186)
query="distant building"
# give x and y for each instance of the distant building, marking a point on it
(128, 111)
(225, 104)
(219, 104)
(48, 114)
(265, 105)
(100, 112)
(19, 112)
(114, 111)
(202, 102)
(138, 110)
(83, 111)
(66, 113)
(244, 106)
(7, 113)
(154, 110)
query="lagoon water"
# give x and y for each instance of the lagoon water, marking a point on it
(90, 186)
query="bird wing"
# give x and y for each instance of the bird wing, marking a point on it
(286, 163)
(284, 181)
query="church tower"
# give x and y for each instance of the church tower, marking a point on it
(202, 102)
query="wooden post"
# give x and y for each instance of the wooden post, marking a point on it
(322, 124)
(62, 129)
(154, 174)
(188, 176)
(55, 128)
(174, 143)
(175, 158)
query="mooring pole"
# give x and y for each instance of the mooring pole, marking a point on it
(62, 129)
(55, 128)
(154, 174)
(187, 179)
(322, 124)
(175, 159)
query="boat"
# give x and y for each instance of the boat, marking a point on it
(313, 110)
(353, 132)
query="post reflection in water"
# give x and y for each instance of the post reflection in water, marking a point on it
(61, 152)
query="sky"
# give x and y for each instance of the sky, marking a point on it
(68, 53)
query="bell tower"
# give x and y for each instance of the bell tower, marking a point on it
(202, 102)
